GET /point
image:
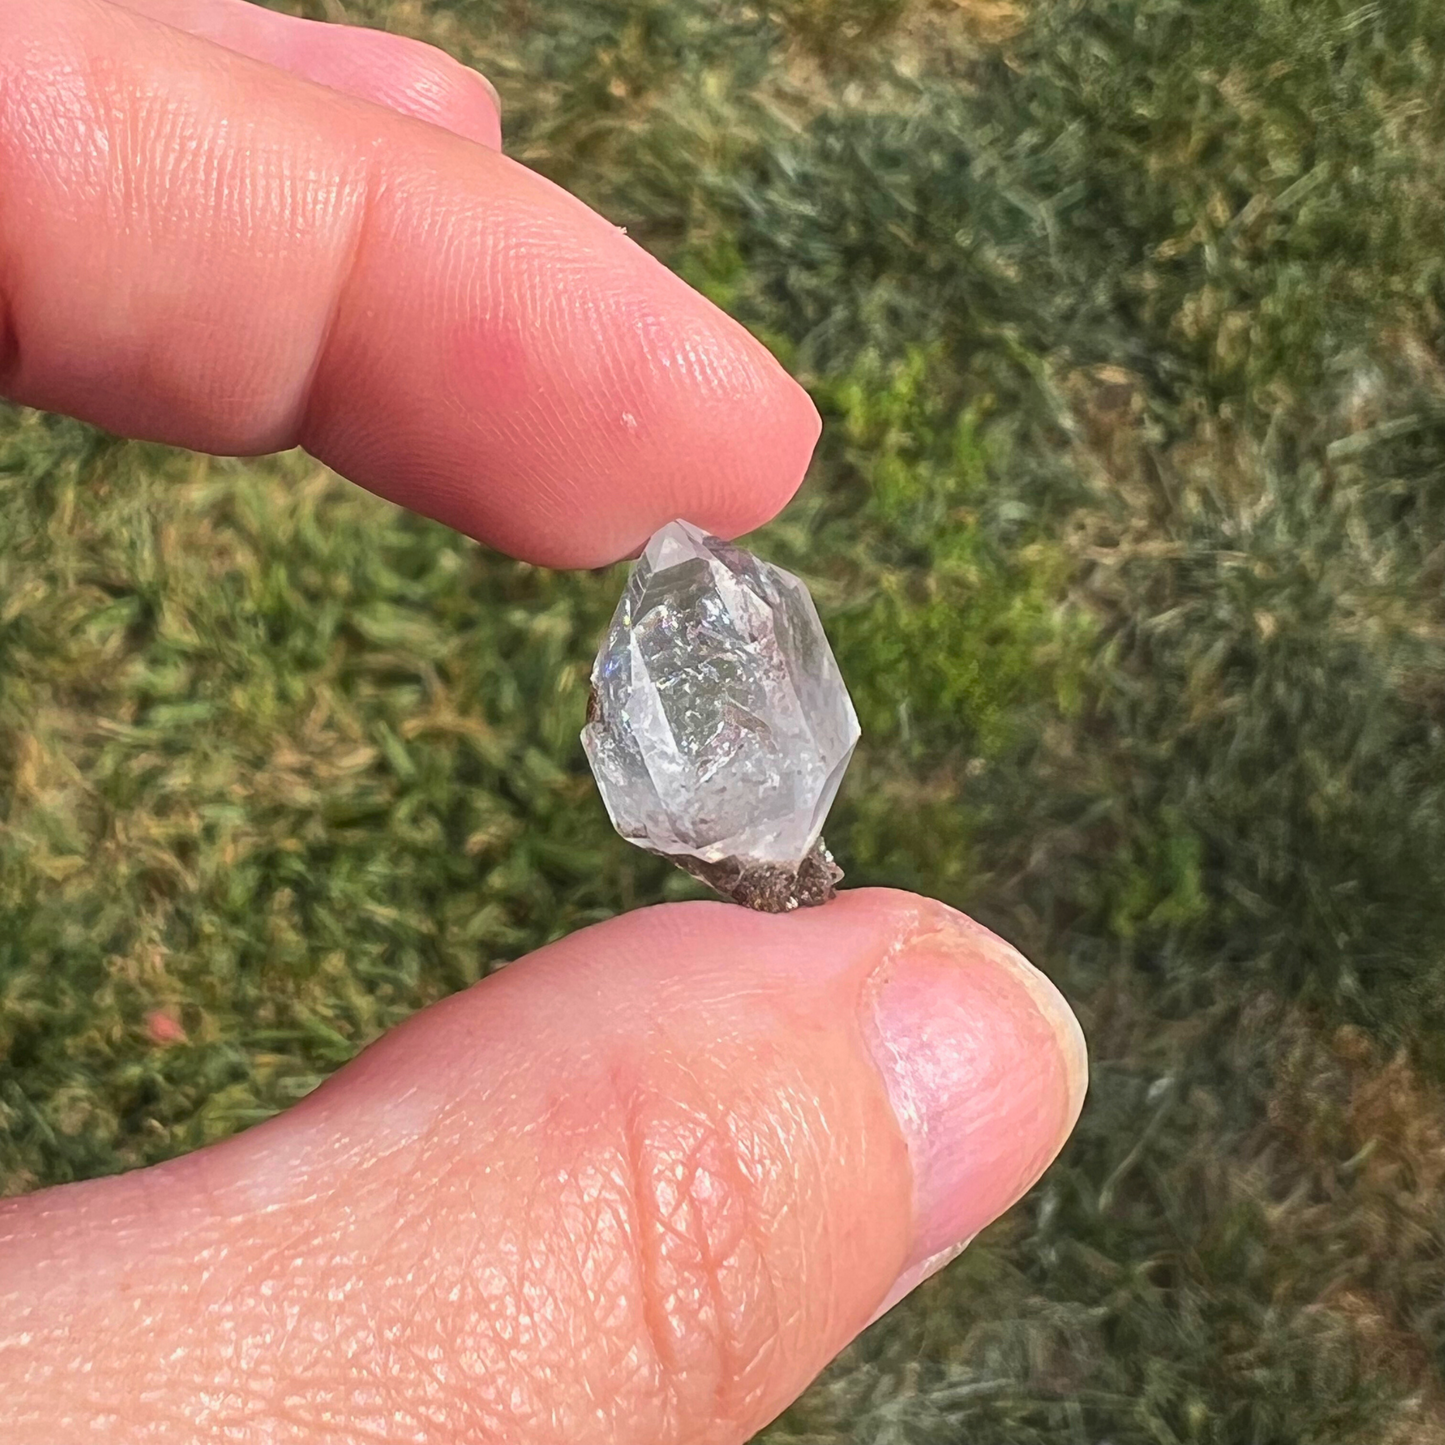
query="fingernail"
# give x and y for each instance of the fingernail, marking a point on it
(914, 1275)
(492, 91)
(985, 1066)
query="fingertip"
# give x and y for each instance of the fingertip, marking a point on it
(739, 468)
(586, 395)
(788, 453)
(774, 430)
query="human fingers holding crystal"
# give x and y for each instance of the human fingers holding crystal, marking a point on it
(199, 248)
(639, 1186)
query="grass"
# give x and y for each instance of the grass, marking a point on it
(1125, 317)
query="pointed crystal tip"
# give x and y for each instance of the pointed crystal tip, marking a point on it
(719, 727)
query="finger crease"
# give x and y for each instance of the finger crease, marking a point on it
(653, 1314)
(347, 267)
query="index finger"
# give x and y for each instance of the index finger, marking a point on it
(200, 249)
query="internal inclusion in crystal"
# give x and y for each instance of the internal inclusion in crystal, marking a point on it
(719, 727)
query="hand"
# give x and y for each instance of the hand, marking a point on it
(640, 1186)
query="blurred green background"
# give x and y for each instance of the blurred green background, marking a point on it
(1128, 524)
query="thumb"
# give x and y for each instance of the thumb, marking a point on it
(638, 1187)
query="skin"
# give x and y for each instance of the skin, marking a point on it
(637, 1187)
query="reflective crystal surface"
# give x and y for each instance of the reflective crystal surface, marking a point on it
(719, 727)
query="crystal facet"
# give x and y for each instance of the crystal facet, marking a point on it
(719, 727)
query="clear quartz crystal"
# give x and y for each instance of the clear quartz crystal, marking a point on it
(719, 727)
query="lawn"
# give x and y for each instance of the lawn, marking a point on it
(1127, 322)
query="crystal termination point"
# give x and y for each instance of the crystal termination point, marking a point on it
(718, 726)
